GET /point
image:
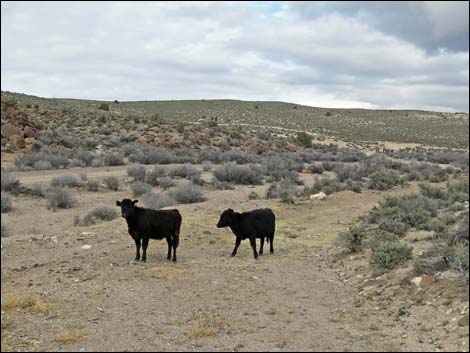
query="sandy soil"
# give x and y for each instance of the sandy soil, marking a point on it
(305, 297)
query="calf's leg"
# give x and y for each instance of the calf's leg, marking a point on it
(237, 244)
(137, 248)
(168, 241)
(145, 243)
(261, 246)
(271, 246)
(175, 245)
(253, 246)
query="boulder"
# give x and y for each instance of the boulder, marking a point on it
(9, 130)
(29, 140)
(17, 141)
(28, 132)
(422, 281)
(319, 196)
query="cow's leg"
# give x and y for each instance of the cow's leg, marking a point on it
(137, 248)
(145, 243)
(271, 246)
(175, 245)
(261, 246)
(253, 246)
(168, 241)
(237, 244)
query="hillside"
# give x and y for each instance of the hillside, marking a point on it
(360, 126)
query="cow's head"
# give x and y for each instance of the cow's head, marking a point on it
(227, 218)
(127, 207)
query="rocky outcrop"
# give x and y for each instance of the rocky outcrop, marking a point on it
(19, 127)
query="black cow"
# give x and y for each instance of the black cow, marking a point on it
(254, 224)
(144, 224)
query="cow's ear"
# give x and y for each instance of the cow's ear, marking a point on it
(118, 203)
(134, 202)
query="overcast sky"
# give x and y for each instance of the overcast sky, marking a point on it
(329, 54)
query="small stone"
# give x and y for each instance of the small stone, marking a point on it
(463, 321)
(426, 280)
(86, 247)
(37, 236)
(54, 239)
(87, 234)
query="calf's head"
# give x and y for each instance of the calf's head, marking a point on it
(227, 218)
(127, 207)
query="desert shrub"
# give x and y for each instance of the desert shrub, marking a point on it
(139, 188)
(413, 210)
(393, 226)
(6, 204)
(10, 183)
(239, 174)
(42, 165)
(388, 251)
(113, 159)
(355, 186)
(317, 168)
(328, 186)
(329, 166)
(137, 172)
(51, 157)
(303, 139)
(111, 183)
(207, 166)
(156, 201)
(349, 171)
(154, 155)
(196, 180)
(384, 180)
(59, 197)
(188, 193)
(353, 238)
(97, 162)
(222, 185)
(284, 189)
(462, 219)
(184, 171)
(38, 190)
(104, 106)
(253, 196)
(457, 256)
(66, 180)
(102, 213)
(165, 182)
(433, 192)
(431, 261)
(439, 227)
(92, 185)
(276, 163)
(155, 174)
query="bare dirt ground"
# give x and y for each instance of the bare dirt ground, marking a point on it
(305, 297)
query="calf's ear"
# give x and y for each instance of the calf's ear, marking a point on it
(118, 203)
(134, 202)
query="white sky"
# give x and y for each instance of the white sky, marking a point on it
(331, 54)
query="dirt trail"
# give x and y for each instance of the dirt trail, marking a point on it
(289, 301)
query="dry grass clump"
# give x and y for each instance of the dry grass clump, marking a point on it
(203, 327)
(70, 337)
(26, 303)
